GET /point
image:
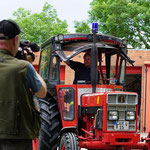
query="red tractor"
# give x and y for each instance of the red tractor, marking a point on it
(99, 115)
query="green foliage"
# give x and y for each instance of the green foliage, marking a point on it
(81, 27)
(38, 27)
(128, 19)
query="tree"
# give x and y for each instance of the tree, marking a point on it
(38, 27)
(81, 27)
(128, 19)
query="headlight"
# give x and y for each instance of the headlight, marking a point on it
(113, 115)
(60, 37)
(130, 115)
(124, 42)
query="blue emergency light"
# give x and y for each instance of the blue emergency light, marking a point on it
(94, 27)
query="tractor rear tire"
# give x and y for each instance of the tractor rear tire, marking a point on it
(50, 126)
(69, 141)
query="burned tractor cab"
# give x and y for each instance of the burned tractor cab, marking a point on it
(95, 115)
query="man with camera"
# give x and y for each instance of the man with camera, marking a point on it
(26, 50)
(19, 121)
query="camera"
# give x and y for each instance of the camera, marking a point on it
(27, 47)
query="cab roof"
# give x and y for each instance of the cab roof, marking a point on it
(66, 46)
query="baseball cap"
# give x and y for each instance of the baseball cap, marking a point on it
(9, 28)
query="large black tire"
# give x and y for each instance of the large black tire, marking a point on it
(51, 125)
(69, 141)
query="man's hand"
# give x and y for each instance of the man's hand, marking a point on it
(28, 57)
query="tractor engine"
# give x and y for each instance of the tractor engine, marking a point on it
(108, 112)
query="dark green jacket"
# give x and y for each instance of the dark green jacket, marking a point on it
(18, 117)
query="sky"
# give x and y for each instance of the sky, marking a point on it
(68, 10)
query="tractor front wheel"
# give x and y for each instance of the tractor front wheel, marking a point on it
(69, 141)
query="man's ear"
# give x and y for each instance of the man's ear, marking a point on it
(15, 39)
(15, 42)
